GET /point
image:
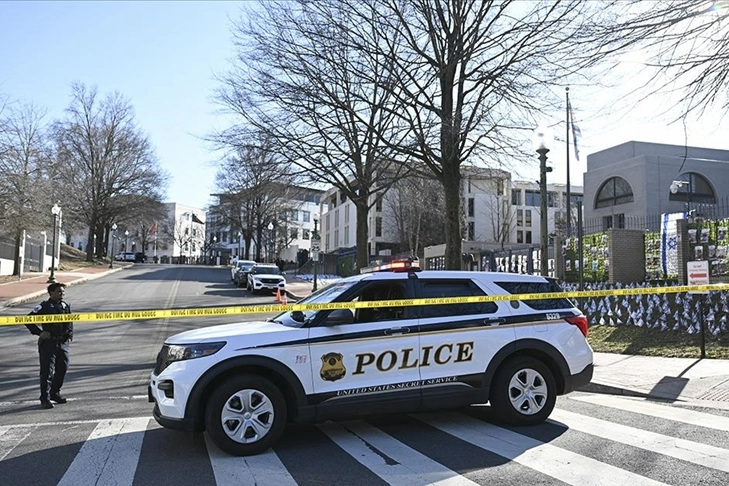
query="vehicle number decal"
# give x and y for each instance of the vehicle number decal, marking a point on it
(552, 316)
(301, 358)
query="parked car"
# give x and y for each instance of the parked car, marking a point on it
(125, 256)
(242, 383)
(236, 266)
(241, 274)
(265, 277)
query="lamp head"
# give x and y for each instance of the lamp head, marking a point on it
(542, 138)
(113, 227)
(673, 188)
(56, 209)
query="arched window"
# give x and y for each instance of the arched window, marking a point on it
(614, 191)
(694, 189)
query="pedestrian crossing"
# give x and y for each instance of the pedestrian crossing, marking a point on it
(588, 440)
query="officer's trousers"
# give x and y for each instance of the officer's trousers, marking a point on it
(54, 360)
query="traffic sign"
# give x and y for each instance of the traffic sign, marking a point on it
(698, 274)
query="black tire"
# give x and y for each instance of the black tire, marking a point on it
(523, 391)
(242, 408)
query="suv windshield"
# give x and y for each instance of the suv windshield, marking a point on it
(268, 270)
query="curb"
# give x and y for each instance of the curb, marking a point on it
(40, 293)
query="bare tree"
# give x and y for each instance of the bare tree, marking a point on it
(683, 43)
(305, 77)
(26, 189)
(471, 78)
(255, 189)
(416, 207)
(107, 161)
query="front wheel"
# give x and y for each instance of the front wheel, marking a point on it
(245, 415)
(523, 391)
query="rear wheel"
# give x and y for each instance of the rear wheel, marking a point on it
(245, 415)
(523, 391)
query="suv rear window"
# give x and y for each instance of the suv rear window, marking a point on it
(517, 288)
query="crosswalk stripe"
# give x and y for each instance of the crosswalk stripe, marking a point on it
(264, 468)
(110, 454)
(686, 450)
(11, 437)
(642, 406)
(554, 461)
(390, 459)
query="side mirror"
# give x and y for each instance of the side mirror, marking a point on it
(298, 316)
(339, 316)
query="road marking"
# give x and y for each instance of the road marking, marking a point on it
(686, 450)
(10, 437)
(390, 459)
(652, 409)
(265, 468)
(556, 462)
(109, 455)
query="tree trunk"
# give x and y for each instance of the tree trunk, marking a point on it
(363, 248)
(452, 188)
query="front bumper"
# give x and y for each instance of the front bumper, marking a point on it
(269, 286)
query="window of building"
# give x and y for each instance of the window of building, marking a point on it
(499, 187)
(613, 221)
(532, 198)
(378, 226)
(613, 192)
(553, 199)
(471, 231)
(336, 238)
(306, 216)
(696, 189)
(346, 214)
(470, 207)
(306, 234)
(346, 236)
(528, 238)
(520, 236)
(294, 215)
(528, 217)
(336, 218)
(516, 197)
(342, 197)
(378, 205)
(294, 233)
(520, 217)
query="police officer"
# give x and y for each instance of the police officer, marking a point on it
(53, 345)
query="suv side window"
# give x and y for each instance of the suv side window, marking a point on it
(453, 288)
(380, 291)
(517, 288)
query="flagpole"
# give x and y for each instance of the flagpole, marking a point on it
(569, 196)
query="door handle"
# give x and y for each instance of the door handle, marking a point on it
(397, 330)
(495, 321)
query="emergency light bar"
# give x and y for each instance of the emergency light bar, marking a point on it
(403, 265)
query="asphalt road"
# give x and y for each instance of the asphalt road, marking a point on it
(105, 433)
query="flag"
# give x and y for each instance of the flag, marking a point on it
(576, 132)
(195, 219)
(153, 228)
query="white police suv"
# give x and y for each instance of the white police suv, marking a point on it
(381, 352)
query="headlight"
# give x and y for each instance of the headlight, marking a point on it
(180, 352)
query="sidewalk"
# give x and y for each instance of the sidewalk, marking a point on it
(685, 381)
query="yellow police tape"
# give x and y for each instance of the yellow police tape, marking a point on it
(269, 308)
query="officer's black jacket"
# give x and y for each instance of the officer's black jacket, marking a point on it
(62, 331)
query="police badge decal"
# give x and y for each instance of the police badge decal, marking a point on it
(332, 368)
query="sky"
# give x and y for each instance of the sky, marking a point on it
(163, 57)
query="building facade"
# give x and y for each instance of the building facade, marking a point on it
(634, 183)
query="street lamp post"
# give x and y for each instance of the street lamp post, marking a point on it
(55, 211)
(542, 150)
(113, 237)
(239, 244)
(212, 249)
(126, 242)
(315, 246)
(271, 242)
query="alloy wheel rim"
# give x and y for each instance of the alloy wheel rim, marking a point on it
(247, 416)
(528, 391)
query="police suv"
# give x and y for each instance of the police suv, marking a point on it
(398, 341)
